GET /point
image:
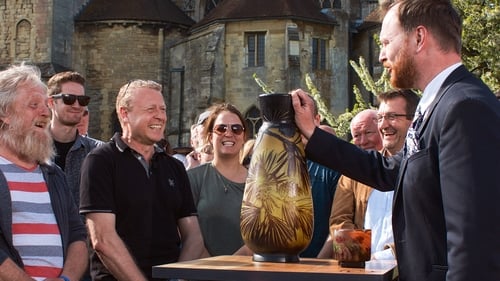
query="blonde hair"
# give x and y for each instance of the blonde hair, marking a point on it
(125, 94)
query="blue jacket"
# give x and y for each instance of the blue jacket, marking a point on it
(74, 159)
(70, 225)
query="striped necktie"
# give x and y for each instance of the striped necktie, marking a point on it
(412, 138)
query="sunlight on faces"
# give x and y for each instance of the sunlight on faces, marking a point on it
(365, 132)
(146, 118)
(68, 115)
(228, 143)
(27, 131)
(395, 54)
(403, 74)
(393, 132)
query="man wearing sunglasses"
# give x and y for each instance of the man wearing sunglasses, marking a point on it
(68, 103)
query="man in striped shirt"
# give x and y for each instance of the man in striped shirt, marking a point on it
(41, 234)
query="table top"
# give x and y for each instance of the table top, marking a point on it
(243, 268)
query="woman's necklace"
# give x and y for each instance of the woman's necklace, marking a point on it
(219, 177)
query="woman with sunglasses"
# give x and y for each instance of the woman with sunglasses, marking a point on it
(218, 186)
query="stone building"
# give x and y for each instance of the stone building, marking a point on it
(201, 51)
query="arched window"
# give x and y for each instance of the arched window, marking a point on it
(23, 40)
(253, 121)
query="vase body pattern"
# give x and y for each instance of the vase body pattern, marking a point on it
(277, 211)
(352, 247)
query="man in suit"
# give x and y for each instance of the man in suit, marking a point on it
(446, 179)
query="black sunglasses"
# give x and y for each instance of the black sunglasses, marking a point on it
(221, 129)
(69, 99)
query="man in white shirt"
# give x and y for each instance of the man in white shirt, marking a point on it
(395, 114)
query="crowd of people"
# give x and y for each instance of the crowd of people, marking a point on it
(421, 173)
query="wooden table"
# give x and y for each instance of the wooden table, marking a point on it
(242, 268)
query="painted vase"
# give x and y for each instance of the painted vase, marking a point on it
(352, 247)
(277, 211)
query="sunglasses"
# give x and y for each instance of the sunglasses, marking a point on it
(69, 99)
(221, 129)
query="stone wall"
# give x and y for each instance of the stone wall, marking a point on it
(206, 67)
(25, 32)
(201, 58)
(215, 68)
(110, 55)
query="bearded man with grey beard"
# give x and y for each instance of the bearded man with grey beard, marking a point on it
(42, 236)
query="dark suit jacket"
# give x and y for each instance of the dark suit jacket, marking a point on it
(446, 213)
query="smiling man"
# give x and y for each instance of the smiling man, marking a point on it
(137, 199)
(41, 234)
(395, 114)
(68, 103)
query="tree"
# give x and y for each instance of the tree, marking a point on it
(481, 38)
(480, 41)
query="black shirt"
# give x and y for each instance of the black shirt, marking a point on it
(147, 203)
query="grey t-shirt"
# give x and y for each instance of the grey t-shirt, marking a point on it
(218, 201)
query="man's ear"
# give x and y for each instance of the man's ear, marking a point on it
(50, 103)
(123, 114)
(420, 37)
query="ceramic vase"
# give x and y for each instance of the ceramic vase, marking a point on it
(352, 247)
(277, 212)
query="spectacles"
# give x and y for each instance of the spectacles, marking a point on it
(391, 116)
(221, 129)
(69, 99)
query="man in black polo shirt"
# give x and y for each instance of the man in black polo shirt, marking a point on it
(136, 198)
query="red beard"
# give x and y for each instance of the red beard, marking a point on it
(403, 71)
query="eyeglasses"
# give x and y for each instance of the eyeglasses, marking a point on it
(391, 116)
(221, 129)
(69, 99)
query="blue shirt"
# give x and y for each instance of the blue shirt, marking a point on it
(323, 185)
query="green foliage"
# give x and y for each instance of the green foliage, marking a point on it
(374, 87)
(265, 88)
(343, 122)
(322, 108)
(481, 38)
(342, 125)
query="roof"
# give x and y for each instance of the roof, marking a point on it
(231, 10)
(373, 19)
(133, 10)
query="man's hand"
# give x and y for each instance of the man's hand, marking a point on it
(303, 106)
